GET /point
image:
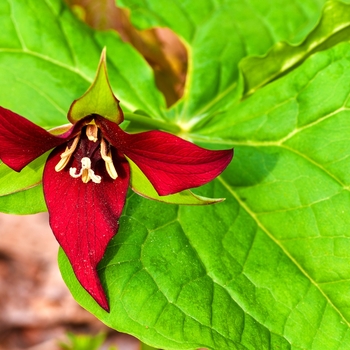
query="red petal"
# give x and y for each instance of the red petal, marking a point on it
(22, 141)
(84, 216)
(169, 162)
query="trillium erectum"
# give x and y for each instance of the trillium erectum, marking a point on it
(87, 175)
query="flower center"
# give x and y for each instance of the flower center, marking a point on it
(86, 172)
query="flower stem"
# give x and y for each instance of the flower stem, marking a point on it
(150, 123)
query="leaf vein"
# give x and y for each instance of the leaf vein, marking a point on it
(281, 246)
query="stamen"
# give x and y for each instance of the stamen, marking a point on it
(107, 157)
(66, 155)
(86, 172)
(92, 132)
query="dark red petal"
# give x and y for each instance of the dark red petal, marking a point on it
(84, 217)
(169, 162)
(22, 141)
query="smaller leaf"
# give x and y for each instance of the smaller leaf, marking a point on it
(99, 99)
(12, 182)
(26, 202)
(83, 342)
(333, 28)
(142, 186)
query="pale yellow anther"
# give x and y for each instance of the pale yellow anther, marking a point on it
(66, 155)
(92, 132)
(107, 157)
(85, 172)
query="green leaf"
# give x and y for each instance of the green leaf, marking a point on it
(218, 34)
(269, 267)
(83, 342)
(142, 186)
(30, 201)
(48, 58)
(99, 99)
(21, 193)
(184, 299)
(334, 27)
(12, 181)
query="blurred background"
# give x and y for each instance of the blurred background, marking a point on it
(37, 311)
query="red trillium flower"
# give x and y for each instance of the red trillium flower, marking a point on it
(86, 176)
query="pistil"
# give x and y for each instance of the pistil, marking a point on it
(85, 172)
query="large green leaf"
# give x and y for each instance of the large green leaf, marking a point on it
(269, 267)
(48, 58)
(218, 34)
(165, 287)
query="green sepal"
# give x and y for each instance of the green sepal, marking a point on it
(59, 130)
(98, 99)
(143, 187)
